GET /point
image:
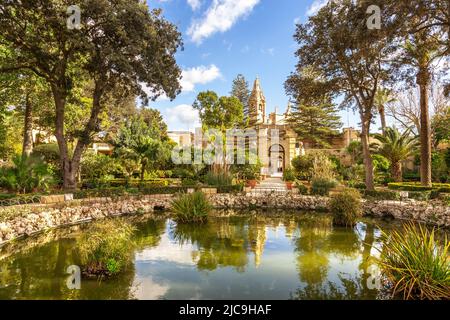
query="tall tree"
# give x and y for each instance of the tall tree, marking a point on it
(338, 45)
(422, 26)
(240, 90)
(218, 112)
(406, 111)
(155, 123)
(119, 44)
(382, 98)
(314, 118)
(24, 92)
(316, 123)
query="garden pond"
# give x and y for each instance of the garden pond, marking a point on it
(258, 255)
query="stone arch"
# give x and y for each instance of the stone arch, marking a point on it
(279, 156)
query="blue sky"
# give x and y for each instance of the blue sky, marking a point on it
(223, 38)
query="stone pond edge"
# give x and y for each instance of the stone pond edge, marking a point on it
(42, 217)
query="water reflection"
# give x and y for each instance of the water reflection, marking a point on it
(293, 256)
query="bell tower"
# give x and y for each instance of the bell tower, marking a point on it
(257, 104)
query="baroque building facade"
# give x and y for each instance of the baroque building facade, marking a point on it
(278, 143)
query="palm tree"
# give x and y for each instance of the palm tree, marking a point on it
(396, 147)
(383, 97)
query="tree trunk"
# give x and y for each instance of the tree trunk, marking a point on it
(368, 163)
(423, 79)
(382, 118)
(142, 172)
(27, 148)
(70, 166)
(396, 171)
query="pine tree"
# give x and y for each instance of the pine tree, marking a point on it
(315, 122)
(241, 91)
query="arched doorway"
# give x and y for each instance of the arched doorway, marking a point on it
(276, 160)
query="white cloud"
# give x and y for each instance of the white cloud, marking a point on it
(206, 55)
(199, 75)
(269, 51)
(315, 7)
(182, 117)
(297, 20)
(190, 78)
(220, 17)
(228, 45)
(194, 4)
(245, 49)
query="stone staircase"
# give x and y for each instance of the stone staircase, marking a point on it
(271, 185)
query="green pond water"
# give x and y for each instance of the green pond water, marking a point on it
(264, 256)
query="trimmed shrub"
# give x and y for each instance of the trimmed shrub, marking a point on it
(137, 183)
(302, 189)
(100, 193)
(411, 186)
(346, 207)
(356, 185)
(230, 189)
(302, 166)
(289, 175)
(411, 176)
(322, 186)
(182, 173)
(416, 261)
(119, 192)
(419, 195)
(188, 182)
(105, 248)
(380, 194)
(191, 208)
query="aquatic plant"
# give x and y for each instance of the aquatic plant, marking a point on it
(192, 207)
(417, 263)
(346, 207)
(105, 248)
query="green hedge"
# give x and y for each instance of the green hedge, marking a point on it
(103, 193)
(356, 185)
(380, 194)
(164, 190)
(419, 195)
(6, 196)
(411, 186)
(230, 189)
(137, 183)
(411, 176)
(118, 192)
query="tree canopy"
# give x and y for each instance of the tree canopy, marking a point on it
(120, 46)
(218, 112)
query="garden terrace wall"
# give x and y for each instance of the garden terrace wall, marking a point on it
(17, 221)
